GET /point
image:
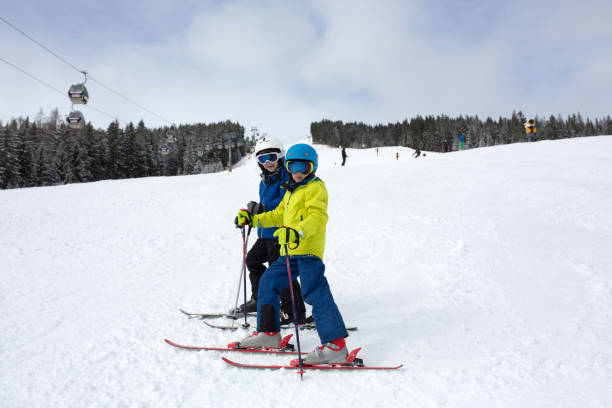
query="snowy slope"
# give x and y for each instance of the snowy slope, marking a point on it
(487, 273)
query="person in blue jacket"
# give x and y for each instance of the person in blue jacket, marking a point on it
(270, 159)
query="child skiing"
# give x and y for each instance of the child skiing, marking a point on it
(301, 217)
(270, 159)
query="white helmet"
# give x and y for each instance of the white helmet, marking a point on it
(269, 142)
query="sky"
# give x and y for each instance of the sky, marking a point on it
(280, 65)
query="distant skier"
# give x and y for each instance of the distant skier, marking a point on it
(396, 155)
(461, 141)
(445, 145)
(416, 153)
(269, 152)
(344, 156)
(303, 216)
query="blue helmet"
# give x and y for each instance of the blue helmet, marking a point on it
(302, 151)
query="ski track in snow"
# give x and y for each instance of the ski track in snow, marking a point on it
(486, 272)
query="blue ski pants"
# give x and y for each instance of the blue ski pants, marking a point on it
(315, 290)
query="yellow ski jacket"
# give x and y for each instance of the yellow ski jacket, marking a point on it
(305, 210)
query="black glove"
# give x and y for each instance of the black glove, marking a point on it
(255, 208)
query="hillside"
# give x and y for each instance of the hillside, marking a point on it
(487, 273)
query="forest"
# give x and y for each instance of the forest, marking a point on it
(46, 152)
(429, 133)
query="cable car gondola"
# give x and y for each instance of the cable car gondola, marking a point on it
(76, 120)
(78, 94)
(164, 150)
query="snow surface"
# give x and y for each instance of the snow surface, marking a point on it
(487, 273)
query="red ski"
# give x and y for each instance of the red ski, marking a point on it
(285, 347)
(353, 364)
(310, 367)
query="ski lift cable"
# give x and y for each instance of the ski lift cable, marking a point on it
(80, 71)
(32, 76)
(39, 44)
(128, 99)
(104, 113)
(54, 88)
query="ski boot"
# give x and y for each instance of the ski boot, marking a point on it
(287, 318)
(334, 352)
(251, 307)
(257, 340)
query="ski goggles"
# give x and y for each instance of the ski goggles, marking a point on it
(267, 157)
(304, 167)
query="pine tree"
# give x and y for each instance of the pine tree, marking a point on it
(590, 128)
(145, 146)
(10, 166)
(5, 165)
(94, 145)
(517, 127)
(81, 159)
(40, 117)
(25, 153)
(114, 153)
(54, 120)
(550, 128)
(64, 169)
(417, 127)
(49, 143)
(129, 155)
(38, 167)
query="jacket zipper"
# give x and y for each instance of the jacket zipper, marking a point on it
(260, 230)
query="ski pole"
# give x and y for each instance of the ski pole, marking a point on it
(234, 311)
(295, 323)
(235, 308)
(244, 251)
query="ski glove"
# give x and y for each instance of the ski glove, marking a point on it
(287, 237)
(254, 207)
(245, 218)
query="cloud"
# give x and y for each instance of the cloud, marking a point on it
(281, 65)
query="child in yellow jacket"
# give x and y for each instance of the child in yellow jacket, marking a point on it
(301, 217)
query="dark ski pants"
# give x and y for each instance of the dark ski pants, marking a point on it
(317, 293)
(268, 250)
